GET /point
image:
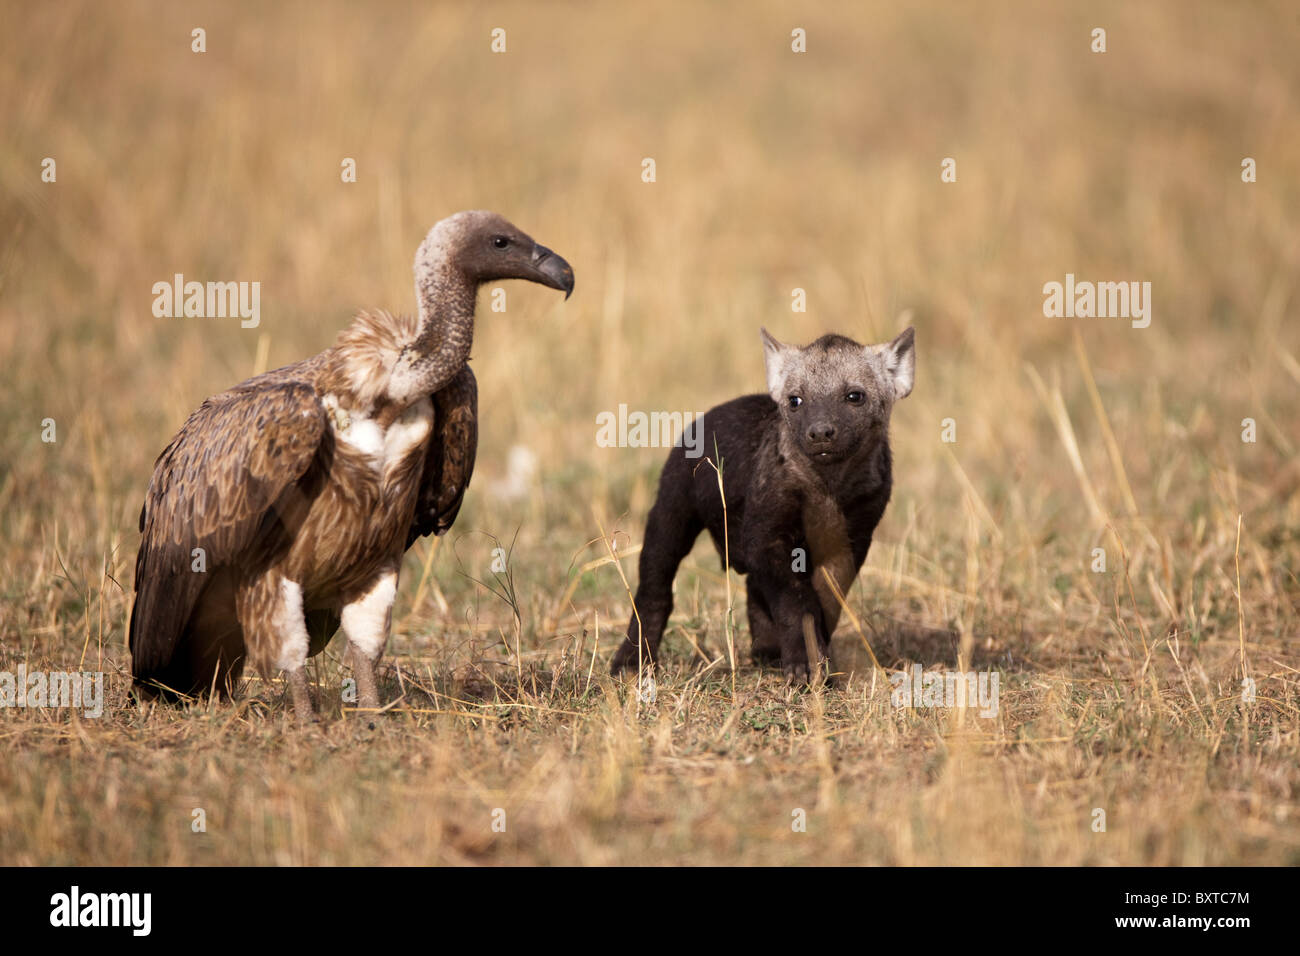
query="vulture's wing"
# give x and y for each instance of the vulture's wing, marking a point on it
(228, 483)
(449, 461)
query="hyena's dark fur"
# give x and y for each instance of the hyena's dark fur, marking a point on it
(806, 471)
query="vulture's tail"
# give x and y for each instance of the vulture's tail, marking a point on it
(179, 651)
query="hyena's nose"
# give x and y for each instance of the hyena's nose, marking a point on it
(821, 431)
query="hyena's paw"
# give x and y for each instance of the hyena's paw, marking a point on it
(625, 659)
(807, 662)
(798, 671)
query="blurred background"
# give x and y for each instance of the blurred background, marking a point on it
(775, 170)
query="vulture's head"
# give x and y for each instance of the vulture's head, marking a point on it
(485, 247)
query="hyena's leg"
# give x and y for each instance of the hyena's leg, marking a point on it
(796, 621)
(842, 571)
(771, 540)
(367, 619)
(805, 642)
(670, 534)
(275, 632)
(765, 648)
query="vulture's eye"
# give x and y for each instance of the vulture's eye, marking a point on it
(500, 242)
(795, 401)
(855, 398)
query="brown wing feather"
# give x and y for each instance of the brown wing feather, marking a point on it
(229, 483)
(449, 461)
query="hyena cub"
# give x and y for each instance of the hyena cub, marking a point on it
(806, 471)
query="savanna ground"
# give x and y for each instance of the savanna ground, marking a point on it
(1121, 690)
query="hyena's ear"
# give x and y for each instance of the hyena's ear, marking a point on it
(775, 355)
(899, 358)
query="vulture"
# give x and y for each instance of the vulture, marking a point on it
(284, 505)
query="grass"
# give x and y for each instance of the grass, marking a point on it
(1121, 690)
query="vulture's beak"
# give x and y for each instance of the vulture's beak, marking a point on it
(551, 270)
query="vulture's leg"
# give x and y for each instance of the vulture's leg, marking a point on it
(294, 644)
(275, 633)
(301, 696)
(367, 619)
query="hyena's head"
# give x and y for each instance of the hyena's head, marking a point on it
(835, 395)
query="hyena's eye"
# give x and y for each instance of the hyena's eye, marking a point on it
(855, 398)
(795, 401)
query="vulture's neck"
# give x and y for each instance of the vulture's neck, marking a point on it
(444, 337)
(380, 364)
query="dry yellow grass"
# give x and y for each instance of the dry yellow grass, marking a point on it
(1120, 690)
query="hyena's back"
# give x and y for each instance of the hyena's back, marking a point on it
(688, 500)
(733, 435)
